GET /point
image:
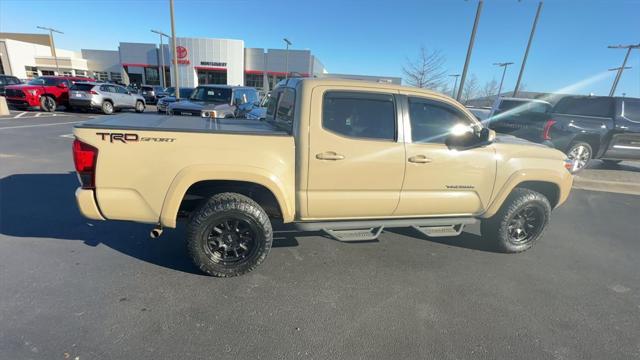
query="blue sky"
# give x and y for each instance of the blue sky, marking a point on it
(373, 37)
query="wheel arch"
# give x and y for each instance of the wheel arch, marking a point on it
(200, 182)
(555, 185)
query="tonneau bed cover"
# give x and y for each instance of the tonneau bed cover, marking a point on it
(160, 122)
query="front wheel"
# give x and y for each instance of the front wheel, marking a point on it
(139, 106)
(229, 235)
(520, 221)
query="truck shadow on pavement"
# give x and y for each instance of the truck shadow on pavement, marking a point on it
(465, 240)
(43, 206)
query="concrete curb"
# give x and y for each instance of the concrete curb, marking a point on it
(605, 185)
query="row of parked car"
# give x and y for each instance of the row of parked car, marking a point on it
(47, 93)
(583, 127)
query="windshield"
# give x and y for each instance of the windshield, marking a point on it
(211, 94)
(43, 81)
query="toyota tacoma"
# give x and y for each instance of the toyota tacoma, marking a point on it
(341, 156)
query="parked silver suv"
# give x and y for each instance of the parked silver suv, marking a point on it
(105, 97)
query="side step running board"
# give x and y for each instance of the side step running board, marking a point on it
(439, 231)
(367, 230)
(354, 235)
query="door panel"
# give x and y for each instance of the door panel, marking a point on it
(625, 142)
(352, 175)
(440, 181)
(451, 183)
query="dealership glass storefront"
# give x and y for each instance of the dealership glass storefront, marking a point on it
(207, 76)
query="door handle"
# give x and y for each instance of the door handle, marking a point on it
(329, 155)
(419, 159)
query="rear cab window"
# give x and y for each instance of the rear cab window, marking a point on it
(281, 109)
(360, 115)
(586, 106)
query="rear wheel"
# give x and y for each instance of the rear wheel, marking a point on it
(47, 103)
(230, 235)
(580, 153)
(520, 221)
(139, 106)
(107, 107)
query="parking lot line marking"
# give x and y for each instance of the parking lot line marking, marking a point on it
(20, 115)
(38, 114)
(40, 125)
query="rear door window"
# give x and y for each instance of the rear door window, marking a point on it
(586, 106)
(360, 115)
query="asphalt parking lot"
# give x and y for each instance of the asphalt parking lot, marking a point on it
(72, 288)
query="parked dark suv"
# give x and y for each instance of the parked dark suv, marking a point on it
(590, 127)
(6, 80)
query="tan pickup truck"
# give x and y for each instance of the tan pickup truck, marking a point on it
(345, 157)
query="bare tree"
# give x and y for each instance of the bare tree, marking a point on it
(489, 89)
(427, 71)
(470, 90)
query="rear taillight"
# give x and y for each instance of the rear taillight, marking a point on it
(93, 92)
(546, 133)
(84, 158)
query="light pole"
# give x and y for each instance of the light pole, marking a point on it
(163, 78)
(526, 52)
(455, 83)
(53, 45)
(286, 66)
(470, 49)
(175, 53)
(624, 64)
(504, 66)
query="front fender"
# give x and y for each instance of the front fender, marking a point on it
(562, 179)
(188, 176)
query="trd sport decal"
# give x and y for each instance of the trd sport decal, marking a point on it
(130, 137)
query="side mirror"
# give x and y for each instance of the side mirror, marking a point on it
(457, 140)
(62, 85)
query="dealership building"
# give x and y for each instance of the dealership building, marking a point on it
(200, 61)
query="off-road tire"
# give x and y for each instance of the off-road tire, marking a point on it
(47, 103)
(221, 206)
(139, 106)
(496, 228)
(587, 147)
(107, 107)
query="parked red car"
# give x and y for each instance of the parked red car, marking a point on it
(44, 92)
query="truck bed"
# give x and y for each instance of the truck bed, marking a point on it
(161, 122)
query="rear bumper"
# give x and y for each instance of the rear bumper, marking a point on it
(87, 204)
